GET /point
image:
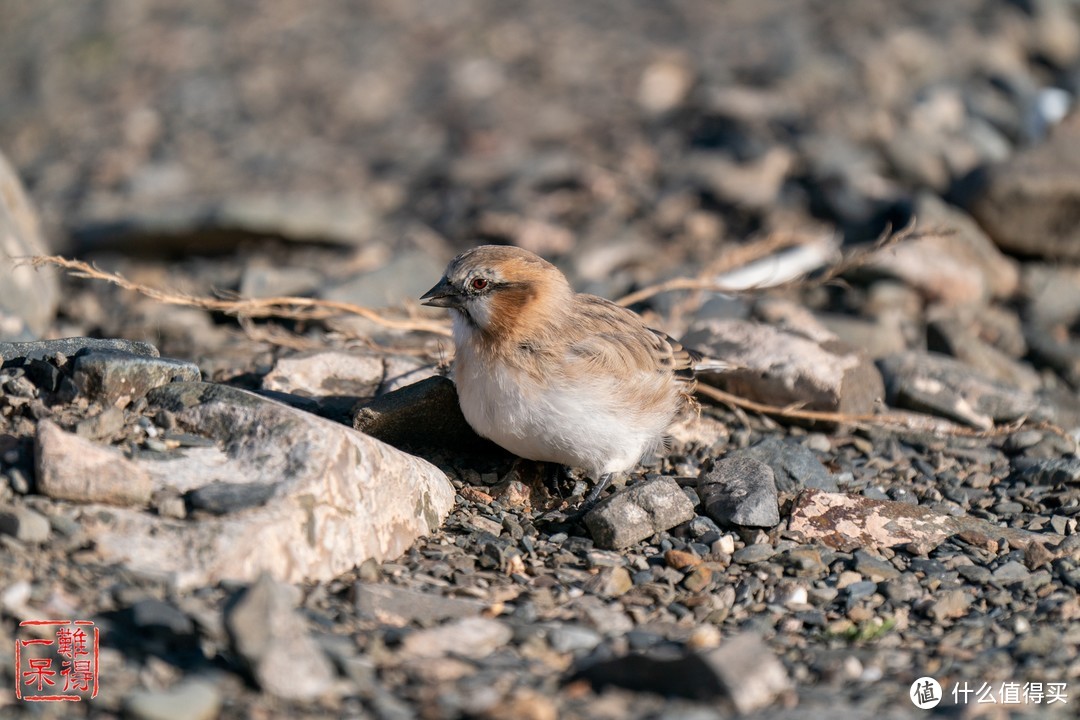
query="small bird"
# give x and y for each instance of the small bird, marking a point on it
(558, 376)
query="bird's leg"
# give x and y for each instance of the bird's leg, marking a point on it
(590, 500)
(556, 476)
(552, 472)
(594, 495)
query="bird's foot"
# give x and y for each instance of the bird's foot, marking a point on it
(594, 495)
(591, 500)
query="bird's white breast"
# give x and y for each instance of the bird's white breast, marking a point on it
(580, 422)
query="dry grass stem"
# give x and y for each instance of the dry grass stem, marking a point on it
(292, 308)
(926, 423)
(730, 259)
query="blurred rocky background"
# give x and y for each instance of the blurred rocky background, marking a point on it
(345, 151)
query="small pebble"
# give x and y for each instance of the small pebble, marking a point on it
(753, 554)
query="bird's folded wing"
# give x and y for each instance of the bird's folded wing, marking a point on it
(614, 340)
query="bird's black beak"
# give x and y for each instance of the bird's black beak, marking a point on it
(442, 295)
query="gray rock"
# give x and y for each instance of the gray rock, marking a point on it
(14, 328)
(877, 338)
(44, 375)
(424, 414)
(70, 347)
(794, 466)
(956, 266)
(874, 567)
(194, 222)
(702, 526)
(222, 498)
(780, 367)
(474, 637)
(663, 85)
(274, 642)
(861, 589)
(300, 217)
(189, 699)
(949, 605)
(360, 669)
(974, 573)
(25, 292)
(1003, 328)
(151, 614)
(480, 524)
(740, 491)
(406, 277)
(791, 316)
(18, 480)
(1010, 573)
(1040, 642)
(109, 375)
(1051, 293)
(804, 561)
(72, 468)
(956, 334)
(1052, 307)
(610, 582)
(751, 674)
(1061, 524)
(24, 525)
(1061, 354)
(636, 512)
(105, 424)
(1027, 204)
(565, 638)
(1051, 471)
(330, 372)
(928, 382)
(903, 589)
(755, 183)
(395, 605)
(19, 386)
(1056, 32)
(340, 497)
(753, 554)
(263, 282)
(917, 152)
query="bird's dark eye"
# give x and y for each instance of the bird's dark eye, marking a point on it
(479, 284)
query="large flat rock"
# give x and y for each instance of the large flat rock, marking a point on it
(952, 261)
(940, 385)
(69, 347)
(848, 522)
(295, 495)
(781, 367)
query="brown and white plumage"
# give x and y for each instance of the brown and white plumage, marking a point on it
(554, 375)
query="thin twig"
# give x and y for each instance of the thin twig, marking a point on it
(293, 308)
(909, 422)
(735, 257)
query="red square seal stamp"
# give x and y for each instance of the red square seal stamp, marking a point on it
(59, 663)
